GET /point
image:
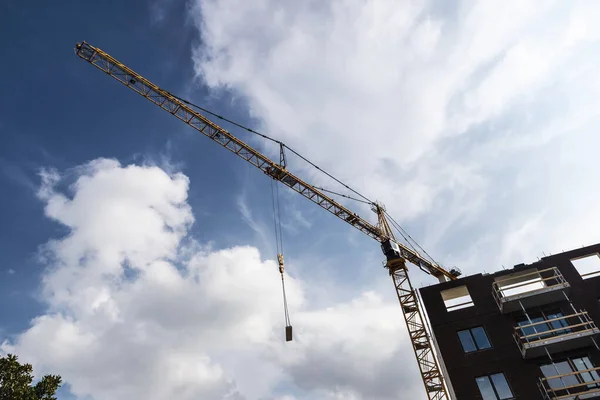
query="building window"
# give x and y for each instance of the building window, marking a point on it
(569, 375)
(494, 387)
(474, 339)
(456, 298)
(588, 266)
(557, 325)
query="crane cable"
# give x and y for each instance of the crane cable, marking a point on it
(279, 244)
(399, 228)
(342, 195)
(283, 145)
(405, 234)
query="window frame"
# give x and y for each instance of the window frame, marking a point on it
(544, 316)
(570, 362)
(493, 386)
(472, 336)
(579, 263)
(457, 298)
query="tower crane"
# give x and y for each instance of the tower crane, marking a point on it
(397, 254)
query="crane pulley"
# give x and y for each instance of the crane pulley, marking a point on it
(397, 254)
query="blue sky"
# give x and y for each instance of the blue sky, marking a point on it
(475, 124)
(46, 121)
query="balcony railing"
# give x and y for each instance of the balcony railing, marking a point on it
(529, 289)
(584, 384)
(556, 334)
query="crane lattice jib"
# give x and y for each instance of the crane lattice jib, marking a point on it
(422, 344)
(187, 114)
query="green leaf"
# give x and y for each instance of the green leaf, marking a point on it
(16, 380)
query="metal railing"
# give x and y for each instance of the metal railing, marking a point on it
(572, 326)
(563, 387)
(540, 280)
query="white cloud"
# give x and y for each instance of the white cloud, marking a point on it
(447, 112)
(353, 351)
(137, 309)
(473, 122)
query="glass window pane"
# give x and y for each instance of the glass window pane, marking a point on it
(558, 323)
(524, 331)
(481, 338)
(485, 387)
(595, 375)
(564, 368)
(467, 341)
(548, 371)
(582, 364)
(501, 386)
(554, 315)
(532, 330)
(539, 328)
(559, 368)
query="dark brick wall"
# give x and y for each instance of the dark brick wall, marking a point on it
(522, 375)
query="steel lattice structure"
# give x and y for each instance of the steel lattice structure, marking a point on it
(397, 253)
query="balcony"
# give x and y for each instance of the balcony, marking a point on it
(575, 385)
(530, 288)
(555, 335)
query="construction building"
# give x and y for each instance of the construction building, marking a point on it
(530, 332)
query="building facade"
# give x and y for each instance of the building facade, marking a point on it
(526, 333)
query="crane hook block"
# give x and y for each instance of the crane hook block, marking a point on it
(280, 261)
(288, 333)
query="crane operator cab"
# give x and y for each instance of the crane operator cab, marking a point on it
(393, 255)
(391, 250)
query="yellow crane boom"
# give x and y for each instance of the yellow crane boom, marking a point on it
(396, 253)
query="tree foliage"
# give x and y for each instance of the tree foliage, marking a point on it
(16, 382)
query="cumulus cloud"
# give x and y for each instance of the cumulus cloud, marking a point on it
(341, 359)
(472, 121)
(468, 119)
(136, 309)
